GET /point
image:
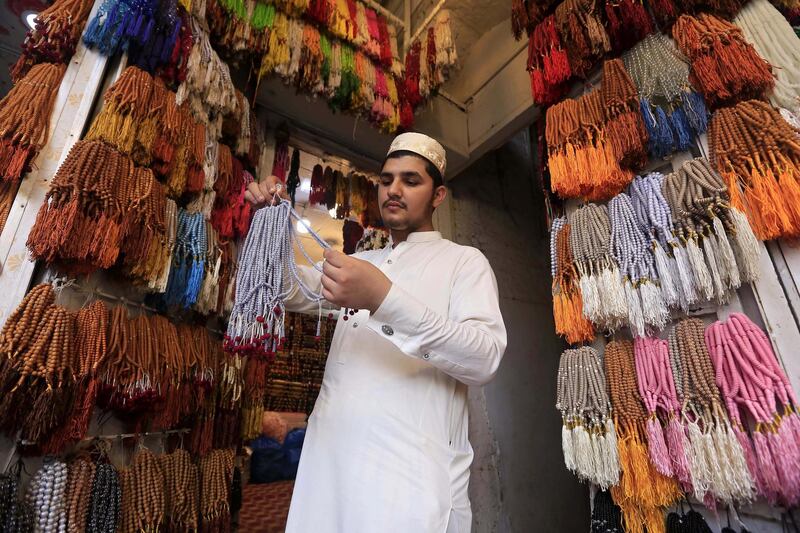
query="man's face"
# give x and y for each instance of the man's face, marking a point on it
(406, 194)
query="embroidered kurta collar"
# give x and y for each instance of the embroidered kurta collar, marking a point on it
(420, 236)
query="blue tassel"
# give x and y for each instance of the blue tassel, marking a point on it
(680, 127)
(696, 111)
(166, 52)
(148, 30)
(649, 123)
(194, 283)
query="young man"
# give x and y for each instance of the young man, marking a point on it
(386, 448)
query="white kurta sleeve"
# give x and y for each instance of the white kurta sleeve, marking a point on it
(296, 302)
(469, 343)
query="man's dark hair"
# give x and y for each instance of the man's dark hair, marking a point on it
(430, 168)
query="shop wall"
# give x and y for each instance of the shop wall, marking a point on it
(519, 482)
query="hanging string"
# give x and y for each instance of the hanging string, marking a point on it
(628, 23)
(582, 33)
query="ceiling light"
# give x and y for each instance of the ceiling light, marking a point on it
(305, 185)
(29, 18)
(332, 212)
(303, 225)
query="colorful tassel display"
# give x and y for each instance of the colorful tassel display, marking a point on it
(567, 304)
(548, 63)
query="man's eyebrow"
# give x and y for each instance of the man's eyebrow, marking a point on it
(405, 174)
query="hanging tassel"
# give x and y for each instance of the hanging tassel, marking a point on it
(634, 307)
(567, 447)
(702, 278)
(677, 445)
(713, 268)
(654, 310)
(666, 267)
(657, 446)
(746, 247)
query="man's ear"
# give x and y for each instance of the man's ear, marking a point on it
(439, 195)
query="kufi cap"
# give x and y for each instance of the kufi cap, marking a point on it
(421, 144)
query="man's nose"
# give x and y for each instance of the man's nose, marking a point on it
(395, 189)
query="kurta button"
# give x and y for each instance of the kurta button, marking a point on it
(426, 356)
(389, 261)
(355, 324)
(387, 329)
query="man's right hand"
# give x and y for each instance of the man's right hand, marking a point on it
(258, 194)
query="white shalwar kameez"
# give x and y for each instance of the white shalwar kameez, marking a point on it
(386, 448)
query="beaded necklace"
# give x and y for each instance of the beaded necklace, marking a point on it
(716, 48)
(548, 64)
(567, 304)
(717, 462)
(718, 246)
(673, 113)
(16, 514)
(630, 246)
(106, 499)
(774, 39)
(757, 153)
(666, 445)
(601, 285)
(752, 382)
(625, 129)
(25, 118)
(628, 23)
(583, 34)
(643, 492)
(46, 494)
(588, 439)
(189, 257)
(256, 325)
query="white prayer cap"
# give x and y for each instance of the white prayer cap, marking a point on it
(421, 144)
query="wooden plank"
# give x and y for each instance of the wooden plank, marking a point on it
(82, 81)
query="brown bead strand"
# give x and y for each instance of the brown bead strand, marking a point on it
(79, 492)
(149, 488)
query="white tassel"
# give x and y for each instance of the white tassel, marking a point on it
(739, 486)
(698, 463)
(669, 288)
(654, 309)
(613, 309)
(726, 257)
(612, 462)
(688, 289)
(635, 317)
(702, 278)
(746, 247)
(590, 297)
(713, 268)
(600, 456)
(582, 452)
(566, 446)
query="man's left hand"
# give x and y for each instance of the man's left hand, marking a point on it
(353, 283)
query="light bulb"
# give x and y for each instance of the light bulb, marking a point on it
(303, 225)
(29, 17)
(332, 212)
(305, 185)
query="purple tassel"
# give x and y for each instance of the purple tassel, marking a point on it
(677, 444)
(148, 30)
(657, 447)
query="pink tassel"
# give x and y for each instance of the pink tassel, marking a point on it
(784, 448)
(766, 465)
(657, 447)
(793, 420)
(676, 444)
(750, 458)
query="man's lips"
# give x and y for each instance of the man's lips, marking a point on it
(394, 205)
